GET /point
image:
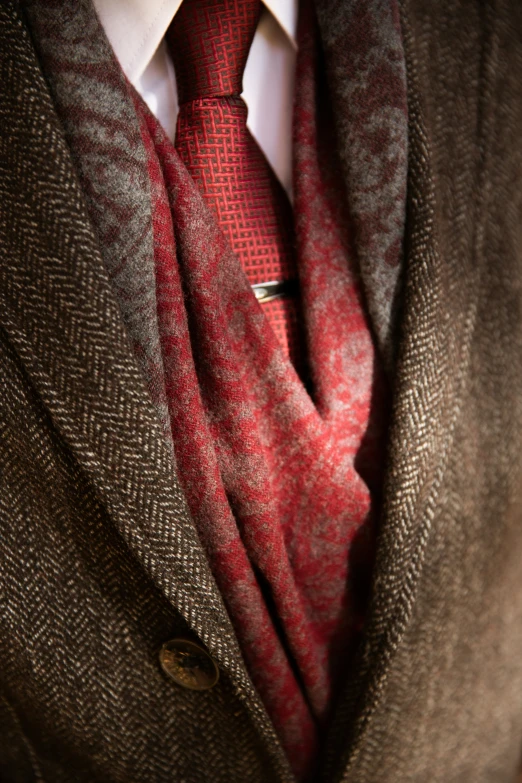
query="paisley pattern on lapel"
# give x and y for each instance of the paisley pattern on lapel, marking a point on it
(367, 77)
(90, 94)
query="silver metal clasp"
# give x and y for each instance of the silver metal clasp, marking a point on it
(275, 289)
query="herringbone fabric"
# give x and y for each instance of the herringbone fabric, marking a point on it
(209, 42)
(101, 562)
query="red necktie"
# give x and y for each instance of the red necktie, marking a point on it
(209, 42)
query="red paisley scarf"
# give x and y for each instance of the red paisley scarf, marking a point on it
(269, 467)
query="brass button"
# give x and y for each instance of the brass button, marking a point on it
(188, 664)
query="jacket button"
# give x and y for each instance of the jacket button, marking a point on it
(188, 664)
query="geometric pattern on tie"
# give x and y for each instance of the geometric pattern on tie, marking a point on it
(209, 42)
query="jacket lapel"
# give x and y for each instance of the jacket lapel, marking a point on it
(58, 310)
(436, 326)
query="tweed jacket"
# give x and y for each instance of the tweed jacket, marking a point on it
(100, 563)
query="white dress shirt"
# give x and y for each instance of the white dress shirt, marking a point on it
(136, 29)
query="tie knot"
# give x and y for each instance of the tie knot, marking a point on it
(209, 42)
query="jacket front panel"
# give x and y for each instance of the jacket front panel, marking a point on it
(101, 564)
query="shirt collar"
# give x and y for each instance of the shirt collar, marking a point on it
(135, 28)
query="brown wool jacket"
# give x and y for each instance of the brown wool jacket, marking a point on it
(100, 563)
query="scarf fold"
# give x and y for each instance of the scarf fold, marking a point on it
(366, 72)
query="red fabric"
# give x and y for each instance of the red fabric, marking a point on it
(209, 42)
(277, 477)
